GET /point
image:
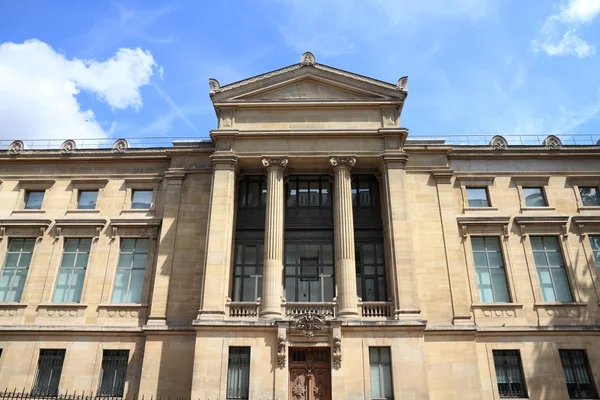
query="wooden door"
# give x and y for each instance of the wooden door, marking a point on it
(310, 373)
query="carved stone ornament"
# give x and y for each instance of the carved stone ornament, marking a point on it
(389, 117)
(298, 390)
(309, 323)
(16, 147)
(338, 162)
(337, 352)
(498, 143)
(402, 84)
(120, 146)
(67, 147)
(275, 162)
(308, 58)
(552, 142)
(214, 85)
(281, 352)
(227, 118)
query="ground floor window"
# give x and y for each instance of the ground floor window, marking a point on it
(238, 372)
(509, 374)
(381, 373)
(48, 373)
(114, 372)
(578, 376)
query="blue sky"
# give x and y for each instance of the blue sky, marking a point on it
(72, 69)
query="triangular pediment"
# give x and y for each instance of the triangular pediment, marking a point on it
(306, 89)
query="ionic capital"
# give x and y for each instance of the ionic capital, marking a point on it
(336, 162)
(270, 163)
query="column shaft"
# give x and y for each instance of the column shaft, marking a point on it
(273, 257)
(345, 263)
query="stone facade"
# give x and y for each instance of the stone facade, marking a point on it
(306, 119)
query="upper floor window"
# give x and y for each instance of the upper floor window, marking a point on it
(14, 272)
(370, 272)
(534, 197)
(114, 372)
(48, 372)
(478, 197)
(551, 269)
(130, 271)
(252, 192)
(595, 242)
(578, 376)
(365, 191)
(247, 274)
(72, 270)
(509, 374)
(309, 272)
(87, 199)
(590, 196)
(308, 191)
(489, 268)
(34, 199)
(141, 199)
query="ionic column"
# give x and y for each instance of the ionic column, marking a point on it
(273, 259)
(345, 264)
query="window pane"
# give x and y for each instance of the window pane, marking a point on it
(12, 259)
(534, 197)
(82, 260)
(484, 285)
(127, 245)
(540, 259)
(34, 200)
(551, 243)
(589, 196)
(16, 245)
(87, 199)
(480, 259)
(142, 245)
(125, 260)
(135, 287)
(386, 378)
(536, 243)
(141, 199)
(62, 286)
(71, 245)
(546, 284)
(77, 285)
(290, 289)
(139, 260)
(121, 285)
(561, 284)
(499, 284)
(248, 287)
(375, 382)
(477, 197)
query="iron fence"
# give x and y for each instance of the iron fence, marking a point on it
(23, 395)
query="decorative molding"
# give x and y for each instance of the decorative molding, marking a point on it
(337, 352)
(552, 142)
(568, 310)
(498, 310)
(274, 162)
(525, 221)
(16, 147)
(466, 222)
(120, 146)
(67, 147)
(214, 85)
(402, 84)
(499, 143)
(309, 323)
(308, 58)
(227, 117)
(336, 162)
(34, 224)
(281, 351)
(587, 224)
(388, 116)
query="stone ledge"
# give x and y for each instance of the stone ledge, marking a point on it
(67, 328)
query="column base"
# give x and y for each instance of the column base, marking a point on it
(348, 313)
(211, 314)
(270, 314)
(157, 321)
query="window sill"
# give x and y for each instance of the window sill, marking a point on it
(130, 311)
(62, 305)
(559, 304)
(82, 211)
(588, 208)
(480, 209)
(137, 211)
(546, 208)
(28, 212)
(7, 304)
(497, 310)
(122, 305)
(565, 310)
(66, 310)
(497, 305)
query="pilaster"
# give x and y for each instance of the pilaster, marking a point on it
(345, 263)
(219, 242)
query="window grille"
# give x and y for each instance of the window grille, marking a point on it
(238, 373)
(130, 271)
(71, 274)
(114, 372)
(489, 269)
(551, 269)
(16, 266)
(578, 376)
(509, 374)
(381, 373)
(49, 368)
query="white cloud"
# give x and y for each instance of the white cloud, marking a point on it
(573, 13)
(39, 88)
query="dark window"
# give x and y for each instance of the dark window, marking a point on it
(252, 202)
(114, 372)
(534, 197)
(578, 376)
(87, 199)
(478, 197)
(48, 372)
(589, 196)
(381, 373)
(365, 201)
(141, 199)
(238, 373)
(16, 265)
(248, 270)
(370, 272)
(34, 199)
(308, 201)
(509, 374)
(309, 272)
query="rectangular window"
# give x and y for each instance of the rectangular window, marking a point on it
(309, 272)
(130, 271)
(595, 242)
(489, 269)
(238, 373)
(141, 199)
(248, 270)
(48, 372)
(87, 199)
(114, 372)
(534, 197)
(589, 196)
(71, 274)
(478, 197)
(34, 199)
(551, 269)
(14, 272)
(381, 373)
(578, 376)
(370, 272)
(509, 374)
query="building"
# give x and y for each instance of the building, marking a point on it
(309, 250)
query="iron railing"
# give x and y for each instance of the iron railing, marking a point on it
(23, 395)
(574, 139)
